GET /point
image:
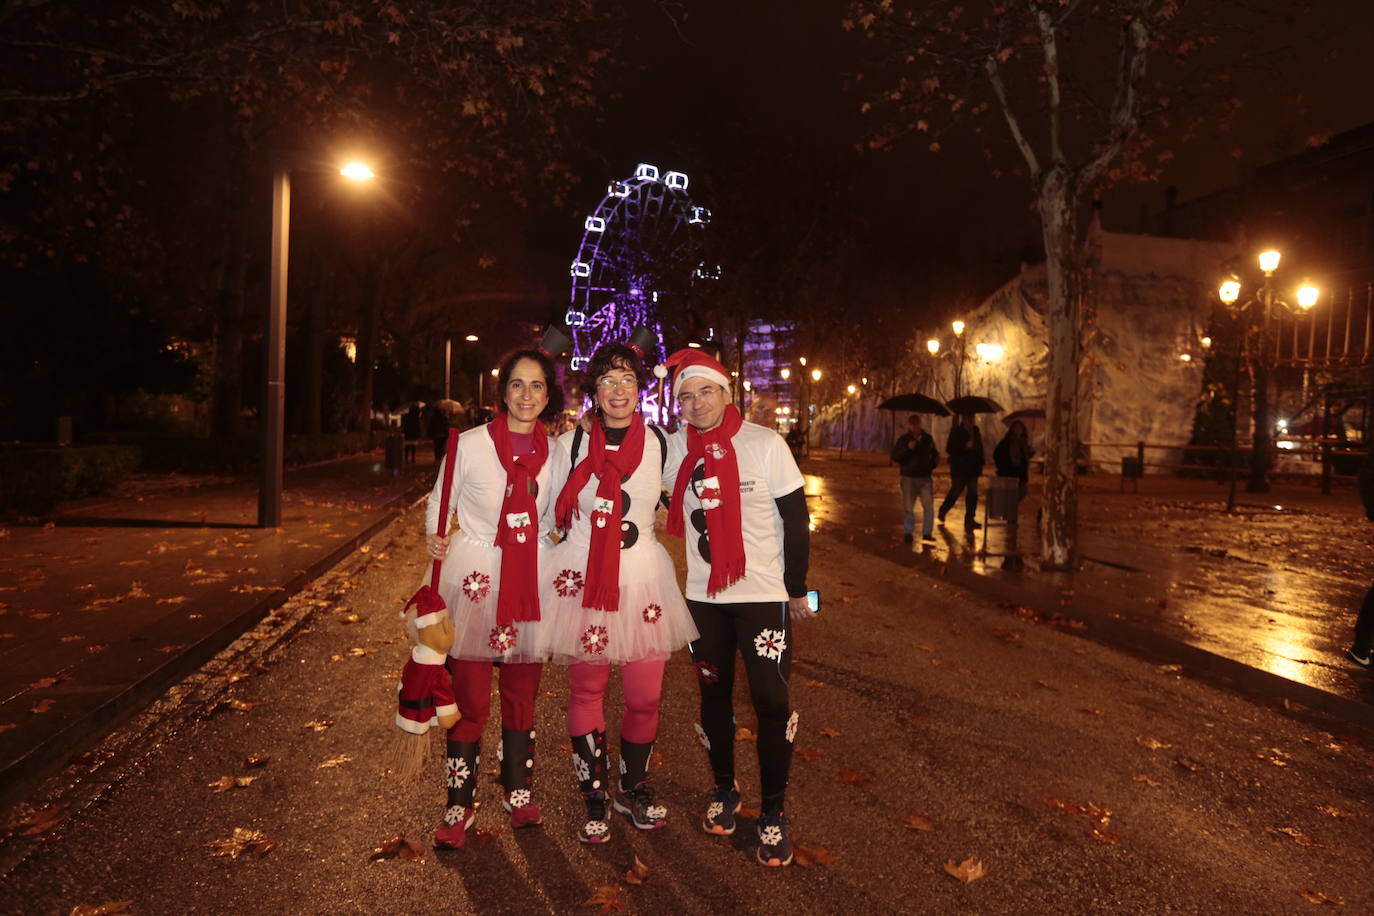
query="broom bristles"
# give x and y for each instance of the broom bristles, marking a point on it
(409, 754)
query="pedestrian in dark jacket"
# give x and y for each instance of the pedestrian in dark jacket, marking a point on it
(916, 457)
(412, 427)
(966, 460)
(1013, 454)
(1361, 650)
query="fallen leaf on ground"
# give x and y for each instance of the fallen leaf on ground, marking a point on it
(749, 813)
(1273, 755)
(1319, 897)
(744, 734)
(918, 822)
(44, 682)
(830, 732)
(225, 783)
(483, 836)
(1094, 814)
(1169, 669)
(319, 725)
(39, 820)
(1153, 744)
(243, 840)
(338, 761)
(1188, 764)
(42, 706)
(1335, 812)
(1141, 777)
(1293, 707)
(1091, 710)
(638, 873)
(807, 753)
(349, 618)
(923, 647)
(816, 684)
(852, 776)
(399, 846)
(1046, 684)
(808, 857)
(364, 549)
(7, 726)
(231, 677)
(240, 705)
(966, 871)
(168, 650)
(610, 897)
(101, 909)
(256, 760)
(1298, 836)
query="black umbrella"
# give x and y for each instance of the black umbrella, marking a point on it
(914, 403)
(971, 403)
(1028, 413)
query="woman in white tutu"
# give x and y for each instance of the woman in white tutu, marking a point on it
(611, 591)
(507, 475)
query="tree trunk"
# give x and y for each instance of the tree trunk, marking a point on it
(314, 356)
(367, 350)
(1059, 541)
(1261, 454)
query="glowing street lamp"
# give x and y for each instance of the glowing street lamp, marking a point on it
(958, 327)
(815, 375)
(1307, 295)
(933, 346)
(274, 370)
(989, 352)
(785, 373)
(851, 389)
(472, 338)
(1269, 261)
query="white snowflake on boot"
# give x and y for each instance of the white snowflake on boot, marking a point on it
(701, 735)
(584, 772)
(656, 812)
(454, 814)
(595, 828)
(520, 798)
(770, 643)
(714, 810)
(792, 726)
(458, 772)
(770, 835)
(623, 768)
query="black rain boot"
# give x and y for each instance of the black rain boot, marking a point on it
(634, 800)
(517, 777)
(460, 768)
(589, 760)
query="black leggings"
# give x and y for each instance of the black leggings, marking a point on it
(762, 634)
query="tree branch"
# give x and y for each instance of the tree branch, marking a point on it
(1000, 90)
(1135, 40)
(1050, 44)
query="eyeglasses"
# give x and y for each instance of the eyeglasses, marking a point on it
(606, 383)
(688, 398)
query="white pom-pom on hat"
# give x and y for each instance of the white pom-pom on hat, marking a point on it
(661, 371)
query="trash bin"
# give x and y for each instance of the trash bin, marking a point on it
(395, 444)
(1004, 494)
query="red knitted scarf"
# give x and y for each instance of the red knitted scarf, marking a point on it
(719, 497)
(517, 532)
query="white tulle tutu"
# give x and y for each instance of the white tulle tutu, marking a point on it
(653, 620)
(468, 583)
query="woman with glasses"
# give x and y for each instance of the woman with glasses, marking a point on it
(613, 592)
(505, 475)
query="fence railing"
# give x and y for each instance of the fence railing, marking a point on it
(1339, 461)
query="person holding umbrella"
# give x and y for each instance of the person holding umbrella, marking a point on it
(916, 457)
(505, 476)
(966, 461)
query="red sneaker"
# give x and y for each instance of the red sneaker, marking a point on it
(453, 832)
(523, 811)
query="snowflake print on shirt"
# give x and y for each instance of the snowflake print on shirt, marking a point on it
(770, 643)
(568, 583)
(792, 727)
(652, 613)
(594, 640)
(503, 638)
(708, 672)
(476, 585)
(458, 772)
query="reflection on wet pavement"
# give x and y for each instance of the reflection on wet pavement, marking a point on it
(1274, 586)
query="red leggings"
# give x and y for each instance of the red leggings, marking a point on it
(642, 683)
(472, 688)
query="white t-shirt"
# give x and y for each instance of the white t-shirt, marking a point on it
(767, 471)
(479, 486)
(643, 488)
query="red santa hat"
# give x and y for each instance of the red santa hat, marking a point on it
(693, 363)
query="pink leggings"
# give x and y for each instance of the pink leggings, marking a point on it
(643, 685)
(472, 689)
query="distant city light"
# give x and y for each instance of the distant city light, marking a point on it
(1206, 343)
(1229, 291)
(471, 338)
(1186, 357)
(815, 375)
(357, 171)
(785, 372)
(852, 389)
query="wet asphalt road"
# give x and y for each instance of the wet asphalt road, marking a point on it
(1084, 779)
(1274, 586)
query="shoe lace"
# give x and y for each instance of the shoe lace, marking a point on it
(596, 807)
(641, 795)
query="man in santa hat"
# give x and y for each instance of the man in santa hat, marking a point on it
(738, 499)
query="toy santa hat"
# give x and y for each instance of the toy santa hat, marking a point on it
(690, 362)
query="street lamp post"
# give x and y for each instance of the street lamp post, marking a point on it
(274, 394)
(958, 328)
(1263, 359)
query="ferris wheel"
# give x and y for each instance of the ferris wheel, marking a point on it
(641, 250)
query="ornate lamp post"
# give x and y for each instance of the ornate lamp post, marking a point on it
(1258, 309)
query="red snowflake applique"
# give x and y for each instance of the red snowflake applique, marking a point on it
(568, 583)
(594, 640)
(708, 672)
(652, 613)
(476, 585)
(503, 638)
